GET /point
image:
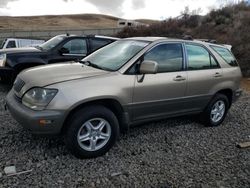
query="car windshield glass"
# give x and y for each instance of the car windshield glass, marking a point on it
(51, 43)
(2, 45)
(115, 55)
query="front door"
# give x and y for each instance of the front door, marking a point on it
(159, 95)
(75, 49)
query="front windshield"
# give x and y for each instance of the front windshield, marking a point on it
(52, 43)
(2, 45)
(115, 55)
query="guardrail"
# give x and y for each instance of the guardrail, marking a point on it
(46, 34)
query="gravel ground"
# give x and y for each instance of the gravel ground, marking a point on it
(176, 152)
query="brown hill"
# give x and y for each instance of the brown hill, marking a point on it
(78, 21)
(58, 22)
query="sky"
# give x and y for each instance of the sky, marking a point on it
(128, 9)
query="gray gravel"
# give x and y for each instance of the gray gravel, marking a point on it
(176, 152)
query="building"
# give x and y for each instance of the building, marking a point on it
(129, 23)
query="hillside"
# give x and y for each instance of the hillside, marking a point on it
(58, 22)
(78, 21)
(229, 25)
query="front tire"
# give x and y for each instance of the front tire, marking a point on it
(91, 132)
(216, 111)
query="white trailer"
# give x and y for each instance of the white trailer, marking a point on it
(19, 43)
(129, 23)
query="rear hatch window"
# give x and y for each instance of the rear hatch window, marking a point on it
(226, 54)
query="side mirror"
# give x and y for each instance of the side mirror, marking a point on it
(149, 67)
(63, 51)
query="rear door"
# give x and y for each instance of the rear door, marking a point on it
(96, 43)
(161, 94)
(203, 73)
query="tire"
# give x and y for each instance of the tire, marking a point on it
(216, 111)
(82, 136)
(7, 79)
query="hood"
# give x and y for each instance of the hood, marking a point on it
(19, 50)
(42, 76)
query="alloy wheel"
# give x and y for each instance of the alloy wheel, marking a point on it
(94, 134)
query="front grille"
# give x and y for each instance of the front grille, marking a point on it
(18, 85)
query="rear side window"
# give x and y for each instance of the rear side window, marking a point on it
(168, 56)
(199, 58)
(226, 55)
(98, 43)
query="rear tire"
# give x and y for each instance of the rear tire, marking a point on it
(91, 132)
(216, 111)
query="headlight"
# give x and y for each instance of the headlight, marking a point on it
(2, 60)
(38, 98)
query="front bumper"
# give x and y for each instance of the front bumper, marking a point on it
(31, 120)
(6, 74)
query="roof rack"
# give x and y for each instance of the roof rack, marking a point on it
(213, 41)
(208, 40)
(187, 37)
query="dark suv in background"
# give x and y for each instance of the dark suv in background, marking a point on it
(61, 48)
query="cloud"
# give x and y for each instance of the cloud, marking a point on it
(40, 7)
(129, 9)
(108, 6)
(3, 3)
(138, 4)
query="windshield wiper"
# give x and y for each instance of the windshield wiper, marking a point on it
(88, 63)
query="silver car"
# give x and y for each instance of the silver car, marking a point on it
(128, 82)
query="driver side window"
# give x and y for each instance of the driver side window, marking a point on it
(11, 44)
(76, 46)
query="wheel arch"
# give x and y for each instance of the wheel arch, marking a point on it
(228, 93)
(111, 104)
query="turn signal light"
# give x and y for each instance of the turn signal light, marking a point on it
(45, 122)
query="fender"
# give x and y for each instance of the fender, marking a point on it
(27, 60)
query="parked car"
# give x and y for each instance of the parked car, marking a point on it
(61, 48)
(20, 43)
(128, 82)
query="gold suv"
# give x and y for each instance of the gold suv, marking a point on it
(130, 81)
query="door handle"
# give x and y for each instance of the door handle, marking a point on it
(179, 78)
(217, 74)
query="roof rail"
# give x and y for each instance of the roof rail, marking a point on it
(91, 35)
(213, 41)
(187, 37)
(208, 40)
